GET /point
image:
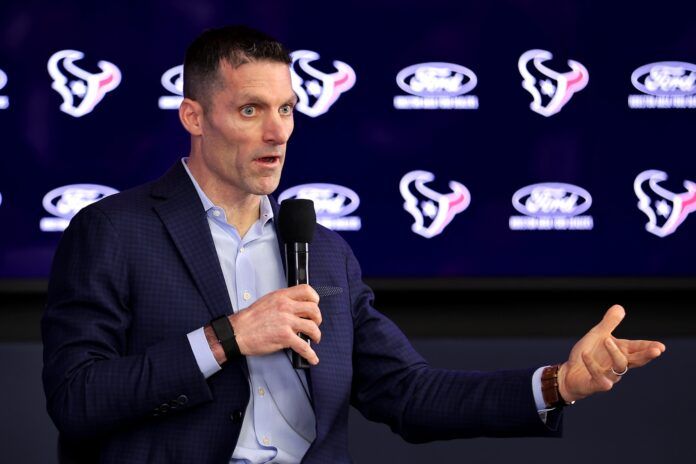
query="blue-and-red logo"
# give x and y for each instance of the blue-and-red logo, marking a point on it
(550, 89)
(81, 90)
(432, 211)
(666, 210)
(315, 89)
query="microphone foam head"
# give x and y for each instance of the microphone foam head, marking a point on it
(297, 220)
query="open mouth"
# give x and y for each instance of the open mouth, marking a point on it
(269, 160)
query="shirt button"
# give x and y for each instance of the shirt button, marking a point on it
(266, 441)
(261, 391)
(246, 296)
(241, 250)
(216, 213)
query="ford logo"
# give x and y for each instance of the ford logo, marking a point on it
(66, 201)
(436, 79)
(329, 199)
(552, 199)
(665, 78)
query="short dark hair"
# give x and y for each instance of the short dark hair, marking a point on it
(236, 45)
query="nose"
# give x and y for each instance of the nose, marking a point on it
(277, 129)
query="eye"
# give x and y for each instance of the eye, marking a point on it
(286, 110)
(248, 111)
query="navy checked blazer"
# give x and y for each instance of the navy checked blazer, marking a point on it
(135, 272)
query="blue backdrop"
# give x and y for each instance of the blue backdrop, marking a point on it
(620, 108)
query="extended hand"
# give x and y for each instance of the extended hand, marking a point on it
(589, 366)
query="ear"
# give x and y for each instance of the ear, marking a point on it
(191, 116)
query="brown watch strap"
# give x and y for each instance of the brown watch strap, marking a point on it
(549, 388)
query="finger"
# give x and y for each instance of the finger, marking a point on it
(632, 346)
(302, 292)
(611, 319)
(618, 359)
(597, 373)
(303, 348)
(308, 328)
(640, 352)
(309, 311)
(641, 358)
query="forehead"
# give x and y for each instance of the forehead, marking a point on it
(268, 80)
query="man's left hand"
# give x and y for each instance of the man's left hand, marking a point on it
(598, 360)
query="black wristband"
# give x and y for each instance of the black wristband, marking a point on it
(225, 335)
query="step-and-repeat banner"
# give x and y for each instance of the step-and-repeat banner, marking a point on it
(441, 139)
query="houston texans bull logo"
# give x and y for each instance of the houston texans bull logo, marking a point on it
(4, 99)
(665, 210)
(173, 81)
(550, 89)
(427, 205)
(81, 90)
(317, 90)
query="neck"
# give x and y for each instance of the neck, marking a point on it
(241, 210)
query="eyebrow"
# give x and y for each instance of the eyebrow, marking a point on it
(254, 99)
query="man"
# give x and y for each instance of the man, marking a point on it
(167, 323)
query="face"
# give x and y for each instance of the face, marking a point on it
(244, 129)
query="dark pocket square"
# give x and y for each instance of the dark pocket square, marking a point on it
(327, 290)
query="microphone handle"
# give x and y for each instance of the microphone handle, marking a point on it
(297, 260)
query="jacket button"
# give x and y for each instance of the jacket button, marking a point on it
(182, 399)
(237, 416)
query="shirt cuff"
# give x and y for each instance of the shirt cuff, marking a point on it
(201, 351)
(538, 396)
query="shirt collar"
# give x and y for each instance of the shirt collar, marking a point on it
(266, 212)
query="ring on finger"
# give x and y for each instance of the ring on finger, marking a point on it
(619, 373)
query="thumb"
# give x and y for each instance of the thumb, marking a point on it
(611, 319)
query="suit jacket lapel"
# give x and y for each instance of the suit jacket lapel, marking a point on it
(281, 246)
(183, 216)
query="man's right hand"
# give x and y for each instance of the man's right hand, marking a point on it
(273, 322)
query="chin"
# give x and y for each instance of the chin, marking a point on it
(267, 188)
(271, 184)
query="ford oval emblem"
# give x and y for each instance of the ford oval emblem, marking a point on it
(66, 201)
(329, 199)
(665, 78)
(552, 199)
(436, 79)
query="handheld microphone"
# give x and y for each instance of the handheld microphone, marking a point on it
(296, 222)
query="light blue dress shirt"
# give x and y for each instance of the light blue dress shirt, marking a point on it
(279, 424)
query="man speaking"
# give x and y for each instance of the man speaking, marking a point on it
(169, 326)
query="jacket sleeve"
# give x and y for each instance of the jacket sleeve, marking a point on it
(393, 384)
(92, 384)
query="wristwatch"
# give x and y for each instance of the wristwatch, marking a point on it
(549, 388)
